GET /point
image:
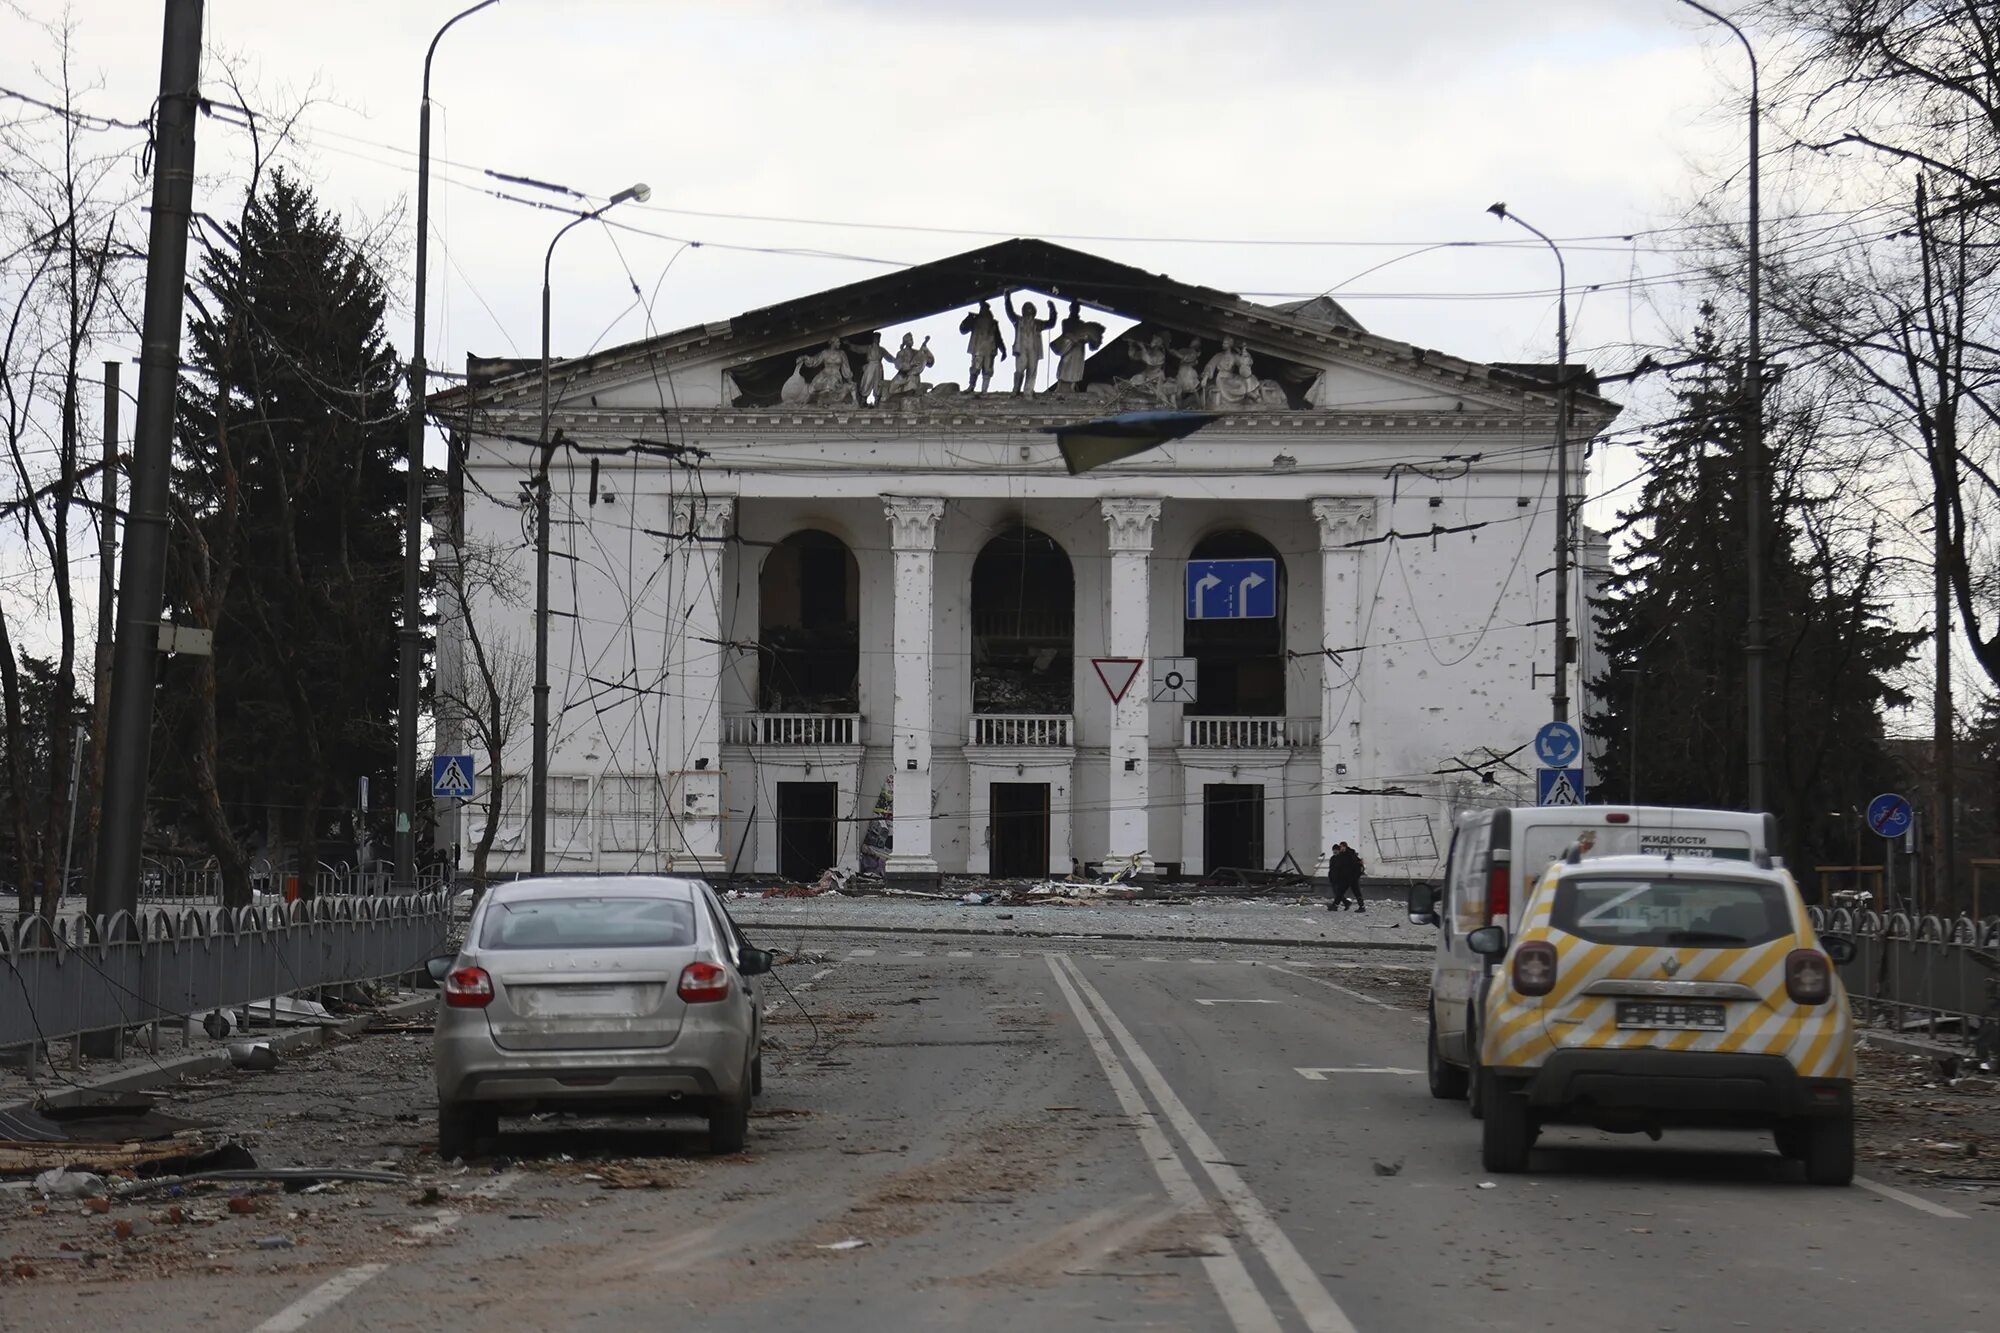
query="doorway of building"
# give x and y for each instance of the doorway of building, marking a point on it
(1020, 830)
(808, 830)
(1232, 819)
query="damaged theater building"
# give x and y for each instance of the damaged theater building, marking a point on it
(821, 567)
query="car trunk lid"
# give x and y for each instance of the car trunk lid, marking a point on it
(567, 1001)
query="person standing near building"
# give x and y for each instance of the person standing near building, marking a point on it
(1343, 876)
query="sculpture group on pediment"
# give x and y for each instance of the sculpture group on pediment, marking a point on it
(1229, 381)
(1194, 376)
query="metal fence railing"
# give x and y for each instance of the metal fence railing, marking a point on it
(1926, 975)
(84, 974)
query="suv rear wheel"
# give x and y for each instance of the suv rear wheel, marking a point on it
(1828, 1149)
(1508, 1130)
(1448, 1081)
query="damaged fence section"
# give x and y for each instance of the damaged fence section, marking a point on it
(100, 974)
(1924, 975)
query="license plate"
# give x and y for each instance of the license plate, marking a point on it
(1669, 1014)
(582, 1001)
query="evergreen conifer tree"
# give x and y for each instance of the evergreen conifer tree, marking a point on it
(1672, 711)
(287, 493)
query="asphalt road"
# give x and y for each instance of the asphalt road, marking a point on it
(1063, 1137)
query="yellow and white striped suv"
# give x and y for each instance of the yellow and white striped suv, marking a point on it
(1647, 992)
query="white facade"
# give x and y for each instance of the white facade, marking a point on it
(1408, 499)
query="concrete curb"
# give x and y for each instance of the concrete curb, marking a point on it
(173, 1070)
(1901, 1045)
(960, 932)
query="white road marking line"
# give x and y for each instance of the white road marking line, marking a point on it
(816, 976)
(321, 1299)
(1905, 1197)
(1209, 961)
(1246, 1307)
(1316, 1306)
(959, 953)
(913, 953)
(497, 1186)
(1104, 957)
(1239, 1001)
(1152, 960)
(1010, 955)
(862, 953)
(1318, 1075)
(1350, 994)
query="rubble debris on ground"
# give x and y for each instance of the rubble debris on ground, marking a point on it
(105, 1134)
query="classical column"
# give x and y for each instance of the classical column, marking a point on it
(913, 521)
(1129, 525)
(1342, 521)
(694, 797)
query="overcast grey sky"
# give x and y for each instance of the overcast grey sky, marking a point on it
(1369, 128)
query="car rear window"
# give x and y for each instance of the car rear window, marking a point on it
(589, 923)
(1709, 913)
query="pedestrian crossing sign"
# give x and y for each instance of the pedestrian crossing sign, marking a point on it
(1559, 786)
(451, 776)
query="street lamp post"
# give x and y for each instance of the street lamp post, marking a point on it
(1755, 467)
(538, 795)
(410, 642)
(1559, 696)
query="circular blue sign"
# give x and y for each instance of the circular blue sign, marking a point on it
(1557, 745)
(1889, 815)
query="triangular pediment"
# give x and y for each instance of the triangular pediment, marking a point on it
(1144, 339)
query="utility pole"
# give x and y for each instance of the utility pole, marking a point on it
(1755, 466)
(107, 597)
(538, 789)
(122, 828)
(1559, 695)
(410, 641)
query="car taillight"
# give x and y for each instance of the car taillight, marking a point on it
(468, 988)
(703, 982)
(1808, 976)
(1497, 880)
(1535, 968)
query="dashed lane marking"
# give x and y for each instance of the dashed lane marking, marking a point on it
(1334, 986)
(1213, 1002)
(1319, 1075)
(959, 953)
(862, 953)
(321, 1299)
(1909, 1200)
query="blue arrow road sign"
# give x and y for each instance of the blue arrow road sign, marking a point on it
(1558, 786)
(451, 776)
(1557, 745)
(1232, 590)
(1889, 815)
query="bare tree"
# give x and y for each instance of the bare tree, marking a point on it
(68, 201)
(492, 695)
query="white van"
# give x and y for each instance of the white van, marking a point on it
(1496, 857)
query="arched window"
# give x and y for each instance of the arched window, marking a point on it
(809, 626)
(1240, 662)
(1023, 625)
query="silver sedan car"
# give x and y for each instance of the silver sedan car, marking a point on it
(626, 993)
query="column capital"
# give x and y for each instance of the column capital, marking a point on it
(703, 517)
(913, 521)
(1342, 520)
(1130, 520)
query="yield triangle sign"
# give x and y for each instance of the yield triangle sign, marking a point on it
(1117, 674)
